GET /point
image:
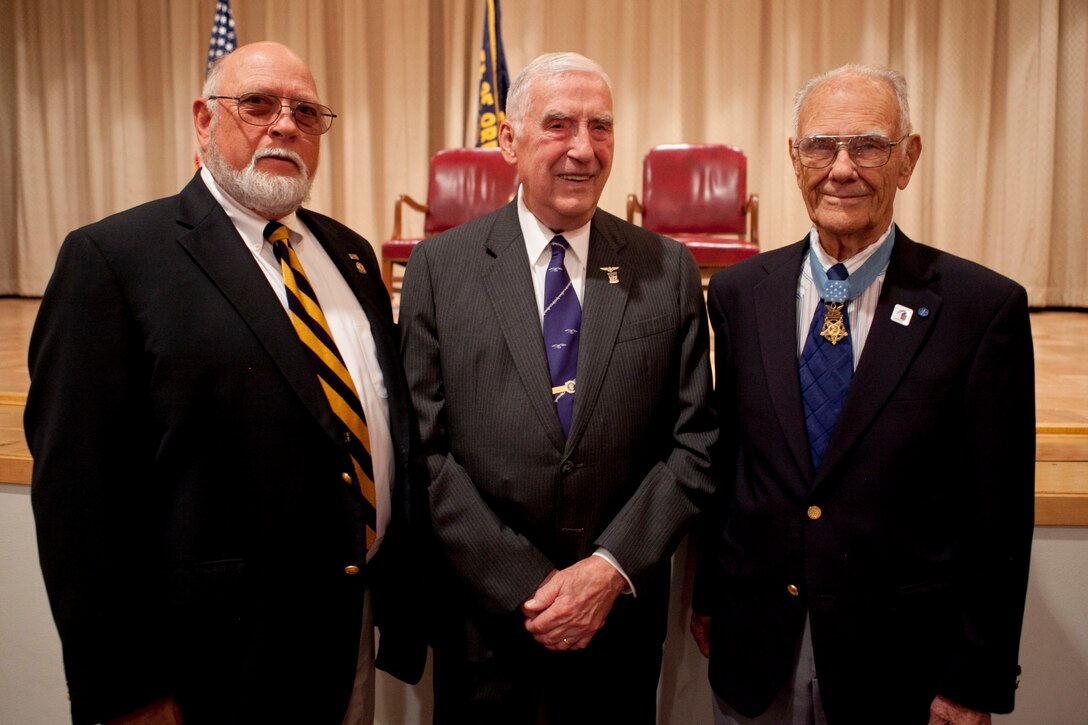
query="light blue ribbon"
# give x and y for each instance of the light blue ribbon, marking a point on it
(835, 290)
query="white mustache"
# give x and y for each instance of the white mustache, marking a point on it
(279, 153)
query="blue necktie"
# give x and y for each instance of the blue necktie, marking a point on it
(826, 366)
(562, 320)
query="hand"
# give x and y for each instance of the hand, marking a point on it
(943, 711)
(570, 605)
(700, 631)
(160, 712)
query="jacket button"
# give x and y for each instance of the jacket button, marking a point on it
(346, 478)
(567, 467)
(814, 512)
(794, 591)
(351, 570)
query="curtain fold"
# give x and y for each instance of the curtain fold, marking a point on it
(104, 88)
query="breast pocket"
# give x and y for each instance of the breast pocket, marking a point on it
(929, 388)
(639, 329)
(642, 362)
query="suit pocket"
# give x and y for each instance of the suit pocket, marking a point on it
(923, 589)
(638, 329)
(922, 389)
(207, 591)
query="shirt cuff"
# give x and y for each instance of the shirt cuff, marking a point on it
(607, 556)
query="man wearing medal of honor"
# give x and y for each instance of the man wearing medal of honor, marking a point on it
(557, 358)
(866, 559)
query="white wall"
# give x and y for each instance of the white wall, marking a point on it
(1054, 650)
(1054, 646)
(32, 689)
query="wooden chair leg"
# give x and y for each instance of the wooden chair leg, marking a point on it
(387, 275)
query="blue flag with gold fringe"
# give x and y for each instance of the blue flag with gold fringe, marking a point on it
(494, 81)
(223, 39)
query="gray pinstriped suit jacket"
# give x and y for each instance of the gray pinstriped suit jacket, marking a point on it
(510, 498)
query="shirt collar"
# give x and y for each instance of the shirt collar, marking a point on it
(855, 262)
(538, 236)
(249, 224)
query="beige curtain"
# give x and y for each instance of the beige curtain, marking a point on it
(102, 92)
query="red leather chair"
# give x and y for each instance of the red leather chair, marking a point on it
(464, 184)
(697, 194)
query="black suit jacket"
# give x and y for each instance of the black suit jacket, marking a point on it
(914, 568)
(510, 497)
(193, 525)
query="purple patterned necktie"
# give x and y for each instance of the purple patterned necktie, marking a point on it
(562, 320)
(825, 369)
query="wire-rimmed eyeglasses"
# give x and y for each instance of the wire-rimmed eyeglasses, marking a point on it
(867, 150)
(264, 109)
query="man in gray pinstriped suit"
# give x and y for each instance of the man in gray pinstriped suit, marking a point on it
(553, 551)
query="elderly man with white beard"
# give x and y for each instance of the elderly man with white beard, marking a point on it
(220, 427)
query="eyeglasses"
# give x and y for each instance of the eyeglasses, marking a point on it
(868, 151)
(264, 109)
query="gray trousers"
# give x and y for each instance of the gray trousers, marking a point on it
(361, 708)
(797, 704)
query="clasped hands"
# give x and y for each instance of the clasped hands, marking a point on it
(570, 605)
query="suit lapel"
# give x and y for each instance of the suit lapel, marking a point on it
(776, 322)
(509, 287)
(352, 267)
(889, 348)
(210, 238)
(603, 305)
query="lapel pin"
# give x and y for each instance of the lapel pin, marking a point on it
(923, 312)
(903, 314)
(358, 265)
(613, 277)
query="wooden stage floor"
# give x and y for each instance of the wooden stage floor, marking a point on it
(1061, 388)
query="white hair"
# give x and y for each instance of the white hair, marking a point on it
(546, 66)
(893, 78)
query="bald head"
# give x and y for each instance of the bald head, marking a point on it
(254, 55)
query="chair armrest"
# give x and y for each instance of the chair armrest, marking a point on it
(633, 205)
(753, 218)
(404, 199)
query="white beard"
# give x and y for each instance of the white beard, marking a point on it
(270, 195)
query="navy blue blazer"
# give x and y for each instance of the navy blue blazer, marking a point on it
(908, 548)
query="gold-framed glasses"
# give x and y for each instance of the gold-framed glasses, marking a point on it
(264, 109)
(868, 151)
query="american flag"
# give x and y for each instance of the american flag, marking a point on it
(223, 39)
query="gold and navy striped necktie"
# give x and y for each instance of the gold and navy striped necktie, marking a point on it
(313, 330)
